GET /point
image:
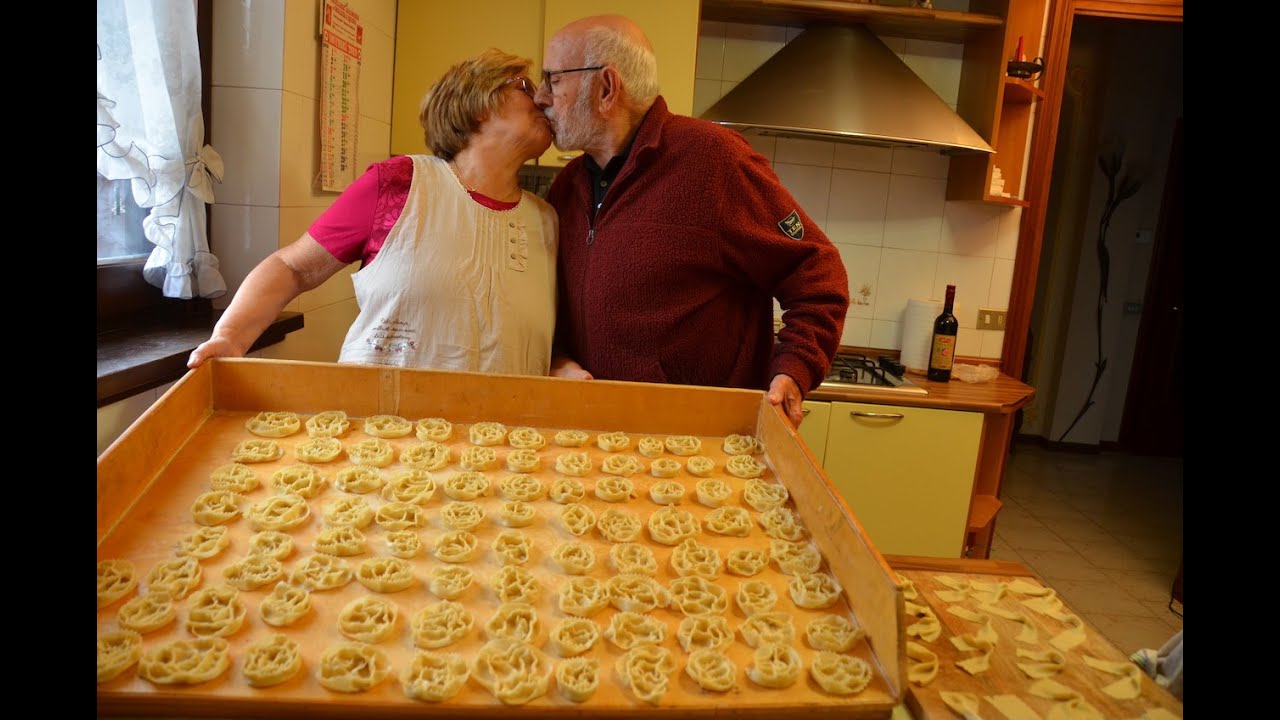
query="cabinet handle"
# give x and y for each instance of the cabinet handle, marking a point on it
(889, 416)
(804, 412)
(566, 157)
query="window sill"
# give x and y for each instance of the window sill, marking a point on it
(134, 359)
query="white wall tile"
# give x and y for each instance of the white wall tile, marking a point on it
(938, 64)
(710, 57)
(804, 152)
(1007, 239)
(336, 289)
(886, 334)
(925, 163)
(992, 344)
(115, 418)
(763, 144)
(726, 86)
(705, 94)
(246, 132)
(242, 236)
(809, 185)
(904, 274)
(862, 265)
(320, 339)
(969, 342)
(793, 32)
(373, 143)
(972, 278)
(857, 332)
(746, 47)
(300, 154)
(248, 44)
(970, 228)
(856, 208)
(377, 67)
(302, 48)
(294, 221)
(1001, 284)
(913, 216)
(863, 157)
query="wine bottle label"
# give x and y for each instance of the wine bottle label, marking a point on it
(943, 353)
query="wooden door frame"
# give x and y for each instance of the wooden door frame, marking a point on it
(1044, 140)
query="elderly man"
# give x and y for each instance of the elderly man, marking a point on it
(676, 235)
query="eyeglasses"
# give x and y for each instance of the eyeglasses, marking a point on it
(524, 84)
(546, 74)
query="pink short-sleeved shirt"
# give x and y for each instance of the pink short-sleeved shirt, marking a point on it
(356, 224)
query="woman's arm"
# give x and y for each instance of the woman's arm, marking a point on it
(273, 284)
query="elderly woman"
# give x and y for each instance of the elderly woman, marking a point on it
(458, 264)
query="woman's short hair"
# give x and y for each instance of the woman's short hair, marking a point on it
(634, 62)
(463, 97)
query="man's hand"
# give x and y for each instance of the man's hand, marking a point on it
(784, 391)
(212, 348)
(564, 367)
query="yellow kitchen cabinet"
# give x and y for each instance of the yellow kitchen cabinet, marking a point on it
(672, 29)
(431, 36)
(813, 429)
(907, 473)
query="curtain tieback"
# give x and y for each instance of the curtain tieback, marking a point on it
(207, 170)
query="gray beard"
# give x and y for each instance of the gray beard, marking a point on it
(573, 131)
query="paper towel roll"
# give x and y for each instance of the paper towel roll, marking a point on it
(917, 332)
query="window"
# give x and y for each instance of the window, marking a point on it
(123, 296)
(120, 238)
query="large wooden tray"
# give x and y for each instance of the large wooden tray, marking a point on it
(1004, 677)
(148, 479)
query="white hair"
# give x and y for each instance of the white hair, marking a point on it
(635, 63)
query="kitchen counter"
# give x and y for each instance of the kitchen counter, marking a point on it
(997, 401)
(1003, 396)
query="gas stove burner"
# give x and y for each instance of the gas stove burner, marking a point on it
(858, 370)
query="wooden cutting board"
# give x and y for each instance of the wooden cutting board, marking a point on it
(1004, 677)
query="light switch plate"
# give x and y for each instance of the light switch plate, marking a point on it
(989, 319)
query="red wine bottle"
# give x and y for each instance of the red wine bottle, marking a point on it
(942, 353)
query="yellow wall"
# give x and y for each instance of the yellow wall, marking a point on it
(434, 35)
(329, 309)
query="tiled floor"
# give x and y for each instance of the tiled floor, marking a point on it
(1105, 530)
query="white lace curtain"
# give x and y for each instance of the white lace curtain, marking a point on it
(151, 131)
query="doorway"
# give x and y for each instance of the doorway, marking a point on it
(1111, 246)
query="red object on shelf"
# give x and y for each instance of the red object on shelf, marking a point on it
(1018, 54)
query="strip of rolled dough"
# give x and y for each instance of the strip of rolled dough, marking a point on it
(1013, 707)
(966, 705)
(1128, 687)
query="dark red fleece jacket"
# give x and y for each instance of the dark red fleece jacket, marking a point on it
(674, 279)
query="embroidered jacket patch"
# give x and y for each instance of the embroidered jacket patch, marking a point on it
(792, 226)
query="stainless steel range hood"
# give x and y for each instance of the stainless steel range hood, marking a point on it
(842, 83)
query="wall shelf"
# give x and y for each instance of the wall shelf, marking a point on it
(1017, 90)
(910, 22)
(997, 106)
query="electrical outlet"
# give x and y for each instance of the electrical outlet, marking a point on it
(991, 319)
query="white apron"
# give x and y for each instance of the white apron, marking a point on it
(457, 286)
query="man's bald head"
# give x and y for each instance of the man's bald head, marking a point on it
(577, 29)
(612, 40)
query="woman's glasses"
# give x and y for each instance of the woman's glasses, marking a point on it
(524, 84)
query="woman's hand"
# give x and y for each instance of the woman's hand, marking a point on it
(213, 347)
(564, 367)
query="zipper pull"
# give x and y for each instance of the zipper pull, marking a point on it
(591, 235)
